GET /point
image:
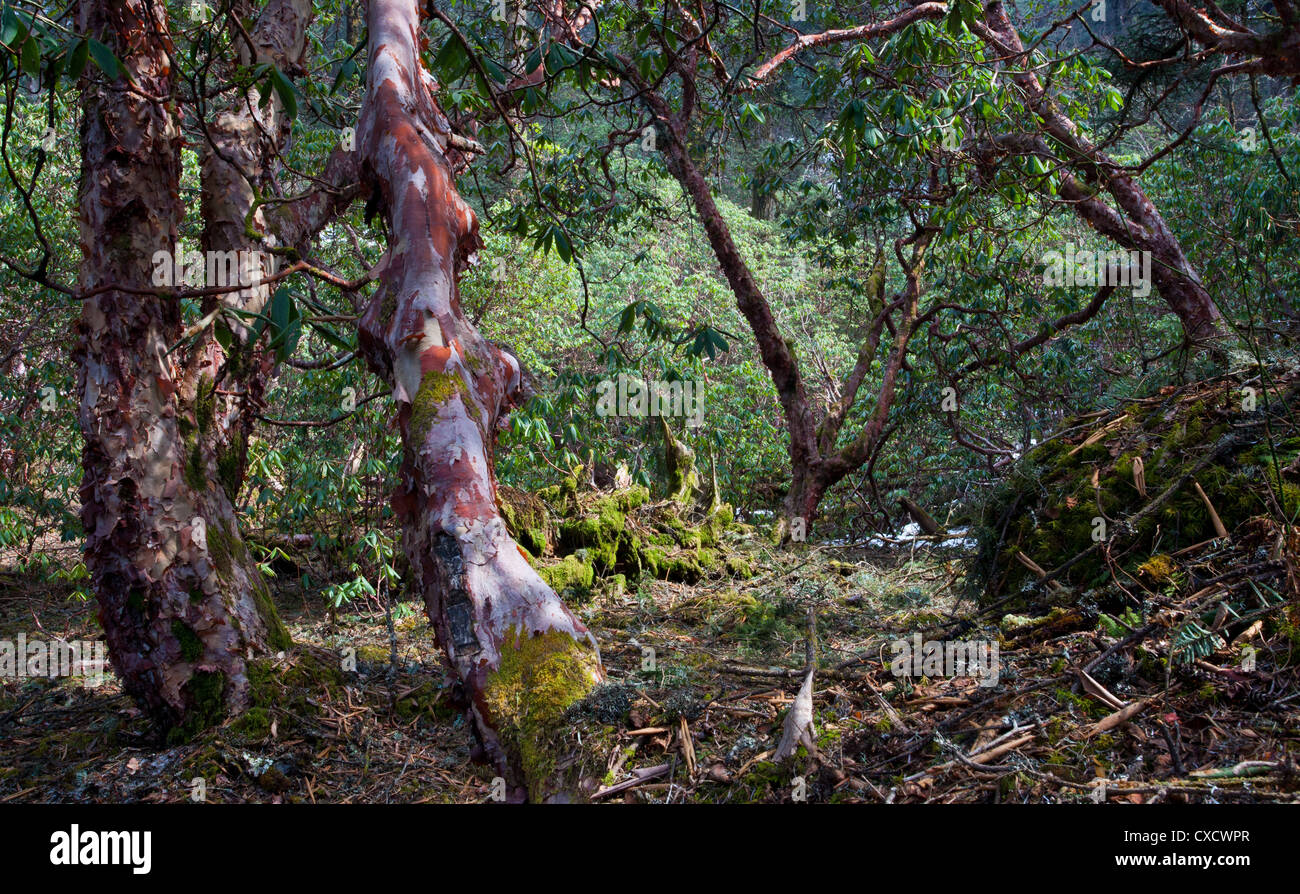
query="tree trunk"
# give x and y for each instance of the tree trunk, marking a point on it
(181, 606)
(519, 655)
(237, 162)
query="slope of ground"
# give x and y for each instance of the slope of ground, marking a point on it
(701, 677)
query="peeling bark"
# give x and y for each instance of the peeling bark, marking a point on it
(519, 655)
(181, 608)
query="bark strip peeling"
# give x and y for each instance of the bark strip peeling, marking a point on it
(521, 657)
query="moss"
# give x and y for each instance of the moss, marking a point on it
(426, 700)
(687, 537)
(253, 724)
(192, 435)
(196, 474)
(627, 500)
(628, 554)
(205, 705)
(230, 471)
(535, 683)
(293, 690)
(436, 388)
(191, 645)
(599, 536)
(277, 635)
(1159, 568)
(526, 519)
(205, 405)
(738, 566)
(220, 547)
(570, 574)
(679, 463)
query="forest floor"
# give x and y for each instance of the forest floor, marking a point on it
(700, 678)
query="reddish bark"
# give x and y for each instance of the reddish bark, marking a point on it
(520, 656)
(1142, 227)
(181, 608)
(1275, 53)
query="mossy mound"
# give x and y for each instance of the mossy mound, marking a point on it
(1117, 495)
(576, 536)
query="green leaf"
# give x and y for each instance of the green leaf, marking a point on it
(332, 337)
(562, 246)
(495, 72)
(12, 30)
(105, 59)
(31, 56)
(279, 311)
(452, 60)
(628, 319)
(533, 60)
(284, 89)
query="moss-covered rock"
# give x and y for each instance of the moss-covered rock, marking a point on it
(526, 519)
(571, 575)
(1131, 474)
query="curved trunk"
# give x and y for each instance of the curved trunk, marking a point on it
(1141, 226)
(181, 607)
(520, 656)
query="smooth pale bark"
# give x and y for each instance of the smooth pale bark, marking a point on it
(181, 609)
(519, 655)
